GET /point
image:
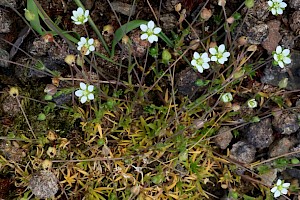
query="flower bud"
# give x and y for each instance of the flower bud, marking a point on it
(47, 164)
(13, 92)
(51, 135)
(166, 56)
(178, 7)
(108, 30)
(227, 97)
(242, 41)
(51, 152)
(205, 14)
(48, 38)
(70, 59)
(29, 15)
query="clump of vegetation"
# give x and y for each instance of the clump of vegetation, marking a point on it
(117, 126)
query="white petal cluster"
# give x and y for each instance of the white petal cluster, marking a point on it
(280, 188)
(149, 32)
(281, 56)
(86, 45)
(200, 61)
(80, 16)
(227, 97)
(277, 6)
(85, 93)
(252, 103)
(219, 54)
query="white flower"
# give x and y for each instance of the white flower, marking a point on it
(80, 16)
(86, 45)
(219, 54)
(280, 188)
(276, 6)
(252, 103)
(281, 57)
(227, 97)
(150, 32)
(200, 61)
(85, 93)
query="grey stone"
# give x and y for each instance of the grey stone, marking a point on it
(285, 123)
(282, 146)
(5, 56)
(258, 33)
(295, 22)
(260, 134)
(269, 177)
(5, 22)
(185, 83)
(123, 8)
(224, 137)
(169, 21)
(274, 74)
(243, 152)
(9, 3)
(295, 4)
(44, 184)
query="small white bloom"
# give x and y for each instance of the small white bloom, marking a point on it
(280, 188)
(85, 93)
(150, 32)
(200, 61)
(252, 103)
(219, 54)
(281, 56)
(80, 16)
(276, 6)
(85, 45)
(227, 97)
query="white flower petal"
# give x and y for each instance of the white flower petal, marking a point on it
(282, 5)
(87, 52)
(143, 27)
(286, 185)
(151, 25)
(226, 54)
(90, 41)
(157, 30)
(205, 65)
(214, 58)
(79, 11)
(83, 99)
(82, 86)
(280, 63)
(287, 60)
(212, 51)
(92, 48)
(284, 191)
(270, 3)
(286, 52)
(152, 38)
(90, 88)
(79, 93)
(222, 60)
(86, 13)
(91, 96)
(279, 11)
(77, 22)
(275, 57)
(274, 12)
(144, 36)
(204, 56)
(194, 62)
(278, 51)
(75, 13)
(221, 48)
(196, 55)
(277, 194)
(274, 189)
(73, 18)
(200, 69)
